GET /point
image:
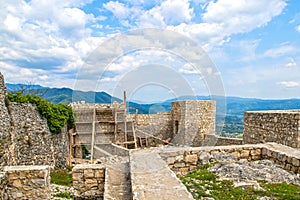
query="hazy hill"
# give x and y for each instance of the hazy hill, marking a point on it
(235, 106)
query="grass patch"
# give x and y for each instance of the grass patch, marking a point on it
(203, 183)
(282, 190)
(61, 177)
(64, 195)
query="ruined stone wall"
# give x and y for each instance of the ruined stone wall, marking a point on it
(27, 182)
(192, 120)
(88, 181)
(4, 120)
(25, 137)
(158, 125)
(272, 126)
(31, 142)
(182, 161)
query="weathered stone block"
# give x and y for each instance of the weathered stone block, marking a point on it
(244, 153)
(191, 158)
(171, 160)
(184, 169)
(179, 165)
(236, 154)
(295, 162)
(99, 173)
(89, 173)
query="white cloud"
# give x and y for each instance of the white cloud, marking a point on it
(169, 12)
(174, 12)
(118, 9)
(298, 28)
(224, 17)
(288, 84)
(280, 51)
(42, 39)
(291, 63)
(12, 23)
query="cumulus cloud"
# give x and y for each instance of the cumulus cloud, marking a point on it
(170, 12)
(288, 84)
(49, 40)
(291, 63)
(44, 38)
(223, 18)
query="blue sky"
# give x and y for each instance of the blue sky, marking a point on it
(255, 45)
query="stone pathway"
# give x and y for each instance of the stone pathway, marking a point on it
(117, 182)
(151, 178)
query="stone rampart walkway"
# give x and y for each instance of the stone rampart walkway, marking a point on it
(151, 178)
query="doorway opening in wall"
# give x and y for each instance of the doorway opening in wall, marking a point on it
(176, 127)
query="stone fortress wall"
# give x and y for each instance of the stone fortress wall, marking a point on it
(25, 137)
(26, 140)
(280, 126)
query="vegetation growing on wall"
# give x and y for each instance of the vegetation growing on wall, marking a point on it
(57, 115)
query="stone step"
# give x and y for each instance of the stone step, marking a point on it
(117, 182)
(151, 178)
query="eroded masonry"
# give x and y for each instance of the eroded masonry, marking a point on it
(116, 155)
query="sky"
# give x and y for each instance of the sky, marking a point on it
(155, 49)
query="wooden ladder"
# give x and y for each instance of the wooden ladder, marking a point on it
(123, 112)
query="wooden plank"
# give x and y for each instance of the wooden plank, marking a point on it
(125, 123)
(70, 146)
(134, 137)
(93, 135)
(115, 125)
(128, 142)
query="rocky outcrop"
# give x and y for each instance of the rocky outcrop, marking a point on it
(242, 172)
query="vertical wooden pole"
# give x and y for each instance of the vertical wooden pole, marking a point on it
(134, 137)
(125, 120)
(93, 134)
(71, 146)
(115, 124)
(136, 115)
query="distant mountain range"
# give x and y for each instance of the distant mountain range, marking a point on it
(235, 106)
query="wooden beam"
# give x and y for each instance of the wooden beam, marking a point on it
(134, 137)
(93, 134)
(125, 120)
(71, 142)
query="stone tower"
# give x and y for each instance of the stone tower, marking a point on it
(192, 120)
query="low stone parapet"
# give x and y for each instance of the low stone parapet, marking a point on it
(215, 140)
(88, 181)
(27, 182)
(184, 160)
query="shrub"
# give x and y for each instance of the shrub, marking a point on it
(57, 115)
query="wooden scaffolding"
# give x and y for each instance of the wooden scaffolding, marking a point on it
(122, 124)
